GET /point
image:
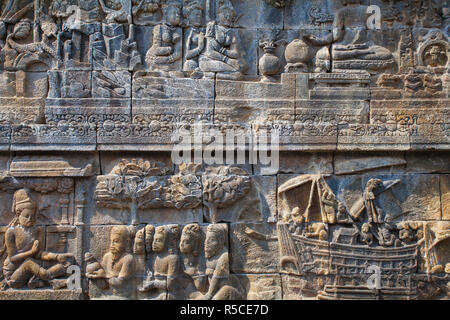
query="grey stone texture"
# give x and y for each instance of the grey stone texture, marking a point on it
(99, 99)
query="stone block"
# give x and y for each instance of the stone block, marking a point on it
(254, 248)
(445, 196)
(261, 286)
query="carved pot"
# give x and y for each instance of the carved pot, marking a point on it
(297, 52)
(269, 64)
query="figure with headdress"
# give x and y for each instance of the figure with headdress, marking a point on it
(221, 284)
(192, 264)
(17, 54)
(118, 265)
(162, 283)
(222, 55)
(24, 248)
(195, 44)
(165, 54)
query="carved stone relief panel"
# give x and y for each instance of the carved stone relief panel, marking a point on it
(99, 99)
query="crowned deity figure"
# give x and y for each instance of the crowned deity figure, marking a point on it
(24, 242)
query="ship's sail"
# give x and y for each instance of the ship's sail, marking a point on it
(313, 188)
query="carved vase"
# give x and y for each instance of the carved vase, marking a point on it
(298, 56)
(269, 64)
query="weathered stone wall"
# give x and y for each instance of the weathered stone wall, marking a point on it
(92, 94)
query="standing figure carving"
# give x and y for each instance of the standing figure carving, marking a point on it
(369, 200)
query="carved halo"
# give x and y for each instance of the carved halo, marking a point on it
(425, 48)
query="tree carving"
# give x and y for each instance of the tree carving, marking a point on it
(139, 184)
(223, 187)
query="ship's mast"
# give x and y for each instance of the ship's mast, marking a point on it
(36, 35)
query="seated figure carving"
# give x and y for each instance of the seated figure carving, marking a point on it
(164, 56)
(221, 54)
(17, 54)
(24, 249)
(195, 44)
(221, 284)
(117, 267)
(351, 52)
(166, 266)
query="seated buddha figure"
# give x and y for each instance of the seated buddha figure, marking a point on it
(351, 50)
(24, 244)
(166, 52)
(221, 54)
